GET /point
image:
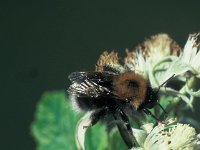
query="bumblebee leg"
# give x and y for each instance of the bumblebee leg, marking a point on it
(96, 116)
(148, 112)
(126, 120)
(125, 129)
(165, 114)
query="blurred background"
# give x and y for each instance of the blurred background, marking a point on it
(43, 41)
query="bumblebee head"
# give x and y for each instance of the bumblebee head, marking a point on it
(152, 95)
(151, 98)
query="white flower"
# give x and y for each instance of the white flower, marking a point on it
(191, 53)
(153, 54)
(136, 62)
(160, 46)
(170, 137)
(188, 60)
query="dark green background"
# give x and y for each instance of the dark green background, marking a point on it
(43, 41)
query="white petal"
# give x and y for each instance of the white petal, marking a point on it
(81, 129)
(196, 61)
(188, 50)
(140, 136)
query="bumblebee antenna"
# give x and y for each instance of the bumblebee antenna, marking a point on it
(159, 90)
(165, 82)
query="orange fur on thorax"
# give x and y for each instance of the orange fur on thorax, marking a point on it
(135, 93)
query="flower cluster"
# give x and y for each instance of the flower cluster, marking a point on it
(158, 59)
(169, 136)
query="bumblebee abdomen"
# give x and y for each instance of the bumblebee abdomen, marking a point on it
(85, 104)
(88, 104)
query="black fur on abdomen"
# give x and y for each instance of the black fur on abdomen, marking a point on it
(88, 104)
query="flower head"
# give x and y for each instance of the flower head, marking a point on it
(191, 53)
(158, 59)
(170, 137)
(108, 60)
(148, 58)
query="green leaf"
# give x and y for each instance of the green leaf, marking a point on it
(97, 138)
(115, 140)
(55, 122)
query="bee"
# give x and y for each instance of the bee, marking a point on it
(111, 92)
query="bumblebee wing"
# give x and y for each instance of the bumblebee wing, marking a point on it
(91, 84)
(97, 77)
